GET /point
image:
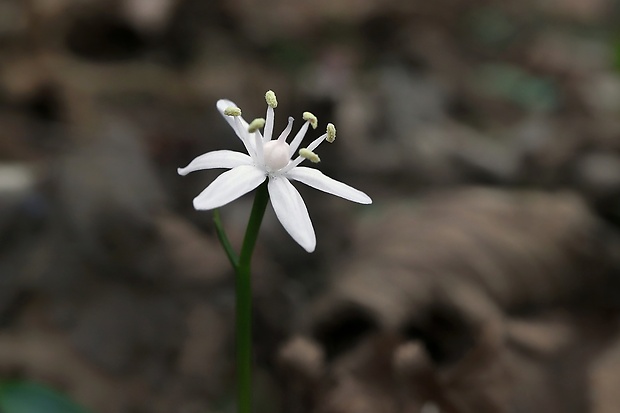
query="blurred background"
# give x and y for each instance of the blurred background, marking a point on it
(115, 291)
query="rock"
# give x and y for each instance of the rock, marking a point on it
(474, 300)
(597, 175)
(110, 196)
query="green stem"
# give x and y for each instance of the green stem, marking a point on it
(244, 301)
(221, 234)
(256, 218)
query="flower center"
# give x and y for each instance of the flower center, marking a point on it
(276, 155)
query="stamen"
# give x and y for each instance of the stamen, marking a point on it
(317, 142)
(240, 129)
(331, 133)
(271, 100)
(232, 111)
(258, 145)
(256, 124)
(298, 138)
(268, 131)
(309, 117)
(300, 158)
(308, 154)
(286, 131)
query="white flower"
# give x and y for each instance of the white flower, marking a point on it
(270, 159)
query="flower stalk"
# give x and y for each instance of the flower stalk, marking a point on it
(242, 265)
(269, 167)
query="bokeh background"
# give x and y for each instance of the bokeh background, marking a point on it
(115, 291)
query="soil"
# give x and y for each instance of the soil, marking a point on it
(115, 290)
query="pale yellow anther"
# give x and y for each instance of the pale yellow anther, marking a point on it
(256, 124)
(308, 154)
(331, 133)
(309, 117)
(271, 100)
(232, 111)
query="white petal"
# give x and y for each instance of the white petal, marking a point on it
(216, 159)
(292, 213)
(222, 104)
(229, 186)
(239, 125)
(316, 179)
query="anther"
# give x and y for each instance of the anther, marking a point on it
(271, 100)
(232, 111)
(256, 124)
(308, 154)
(331, 133)
(309, 117)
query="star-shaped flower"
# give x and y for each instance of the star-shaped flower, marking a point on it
(270, 159)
